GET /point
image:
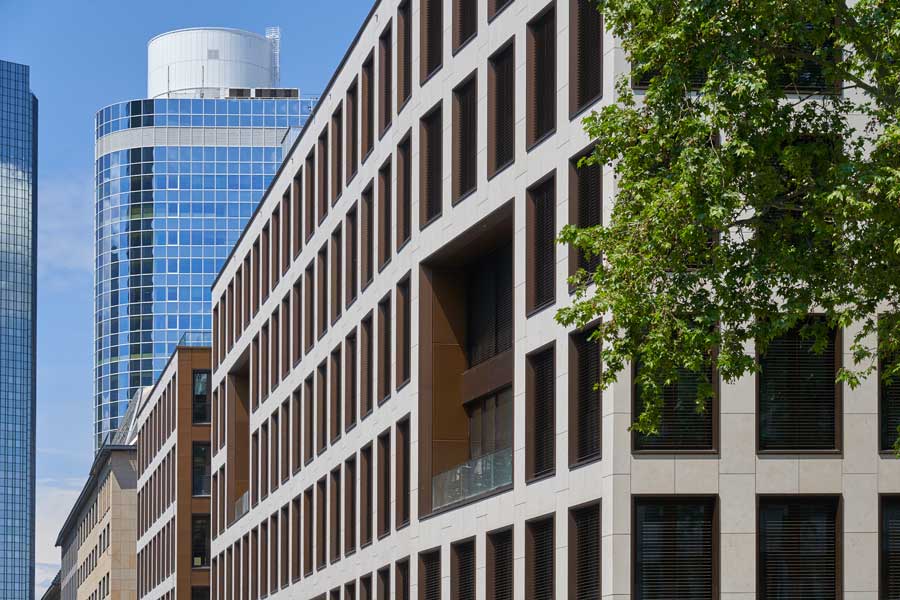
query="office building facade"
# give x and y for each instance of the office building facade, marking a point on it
(397, 414)
(178, 175)
(97, 539)
(18, 308)
(173, 453)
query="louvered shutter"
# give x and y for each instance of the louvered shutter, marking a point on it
(544, 393)
(544, 75)
(890, 547)
(587, 399)
(404, 191)
(466, 137)
(890, 412)
(368, 106)
(543, 243)
(385, 43)
(681, 427)
(402, 582)
(797, 395)
(504, 111)
(404, 52)
(431, 177)
(464, 577)
(798, 541)
(384, 583)
(501, 546)
(495, 6)
(585, 567)
(539, 582)
(368, 237)
(489, 306)
(674, 548)
(590, 207)
(503, 305)
(365, 367)
(433, 15)
(589, 52)
(431, 576)
(466, 16)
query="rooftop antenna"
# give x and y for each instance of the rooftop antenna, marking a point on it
(273, 34)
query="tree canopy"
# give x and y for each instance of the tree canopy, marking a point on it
(756, 159)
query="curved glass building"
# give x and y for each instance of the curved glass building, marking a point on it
(18, 297)
(177, 176)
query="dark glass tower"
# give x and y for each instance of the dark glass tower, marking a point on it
(18, 283)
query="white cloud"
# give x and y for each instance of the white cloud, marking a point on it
(53, 501)
(65, 230)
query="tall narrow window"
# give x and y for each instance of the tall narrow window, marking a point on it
(889, 554)
(309, 306)
(431, 35)
(799, 545)
(501, 109)
(275, 246)
(321, 522)
(308, 532)
(350, 590)
(351, 268)
(335, 518)
(322, 175)
(309, 194)
(539, 559)
(366, 367)
(540, 223)
(585, 408)
(254, 461)
(285, 449)
(273, 553)
(297, 211)
(200, 412)
(264, 460)
(335, 384)
(322, 289)
(462, 570)
(385, 212)
(366, 500)
(264, 558)
(889, 407)
(465, 22)
(285, 350)
(585, 207)
(384, 583)
(384, 483)
(430, 575)
(350, 395)
(541, 69)
(321, 407)
(285, 541)
(352, 141)
(286, 231)
(585, 55)
(200, 541)
(465, 137)
(404, 334)
(337, 272)
(681, 426)
(799, 401)
(337, 153)
(403, 473)
(404, 191)
(401, 581)
(368, 105)
(308, 427)
(540, 413)
(367, 247)
(404, 53)
(431, 168)
(296, 531)
(296, 429)
(673, 547)
(384, 348)
(386, 79)
(350, 505)
(500, 565)
(265, 268)
(200, 469)
(584, 552)
(365, 587)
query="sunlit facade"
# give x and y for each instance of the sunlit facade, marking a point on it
(18, 258)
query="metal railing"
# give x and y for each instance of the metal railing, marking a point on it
(473, 478)
(195, 338)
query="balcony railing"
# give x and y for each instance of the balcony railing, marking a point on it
(473, 478)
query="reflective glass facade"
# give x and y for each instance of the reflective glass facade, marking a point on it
(18, 215)
(166, 217)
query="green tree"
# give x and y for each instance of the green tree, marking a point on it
(757, 180)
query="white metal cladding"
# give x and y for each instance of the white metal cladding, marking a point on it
(186, 62)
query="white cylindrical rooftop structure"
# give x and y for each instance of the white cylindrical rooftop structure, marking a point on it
(201, 62)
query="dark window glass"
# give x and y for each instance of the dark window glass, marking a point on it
(367, 249)
(798, 542)
(541, 76)
(200, 469)
(539, 560)
(586, 50)
(500, 565)
(495, 6)
(386, 66)
(462, 577)
(352, 141)
(540, 457)
(404, 53)
(404, 191)
(681, 426)
(890, 409)
(200, 541)
(501, 109)
(585, 207)
(585, 401)
(673, 548)
(431, 32)
(385, 214)
(201, 407)
(541, 226)
(465, 138)
(798, 397)
(584, 552)
(384, 583)
(489, 306)
(368, 105)
(431, 170)
(889, 553)
(465, 21)
(430, 575)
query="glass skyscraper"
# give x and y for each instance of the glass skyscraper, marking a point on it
(18, 283)
(177, 177)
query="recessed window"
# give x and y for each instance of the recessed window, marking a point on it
(322, 175)
(335, 518)
(799, 545)
(462, 570)
(495, 6)
(539, 559)
(385, 350)
(500, 565)
(889, 407)
(585, 400)
(585, 208)
(335, 392)
(337, 153)
(465, 138)
(584, 551)
(799, 401)
(540, 223)
(309, 194)
(322, 289)
(350, 505)
(404, 333)
(501, 109)
(430, 575)
(386, 79)
(200, 397)
(384, 483)
(673, 548)
(401, 582)
(351, 251)
(384, 583)
(307, 532)
(368, 105)
(309, 306)
(465, 22)
(540, 415)
(541, 70)
(586, 54)
(309, 434)
(367, 233)
(432, 37)
(321, 522)
(404, 53)
(200, 469)
(350, 378)
(404, 191)
(385, 213)
(366, 366)
(200, 541)
(404, 482)
(352, 141)
(321, 407)
(366, 497)
(431, 169)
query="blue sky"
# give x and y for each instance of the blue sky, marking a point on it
(83, 56)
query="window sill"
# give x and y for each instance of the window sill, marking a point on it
(541, 477)
(543, 138)
(798, 453)
(462, 45)
(580, 110)
(464, 195)
(673, 453)
(540, 308)
(585, 462)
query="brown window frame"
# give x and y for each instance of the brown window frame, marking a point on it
(431, 166)
(322, 290)
(533, 471)
(577, 534)
(337, 151)
(367, 235)
(501, 108)
(541, 107)
(463, 566)
(335, 394)
(308, 532)
(577, 342)
(579, 215)
(366, 498)
(431, 51)
(579, 15)
(531, 566)
(385, 348)
(352, 131)
(385, 214)
(334, 518)
(383, 484)
(350, 507)
(403, 469)
(424, 575)
(367, 106)
(404, 331)
(404, 53)
(404, 190)
(322, 175)
(495, 571)
(351, 255)
(309, 194)
(321, 523)
(540, 258)
(464, 165)
(366, 367)
(337, 270)
(351, 396)
(322, 407)
(385, 79)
